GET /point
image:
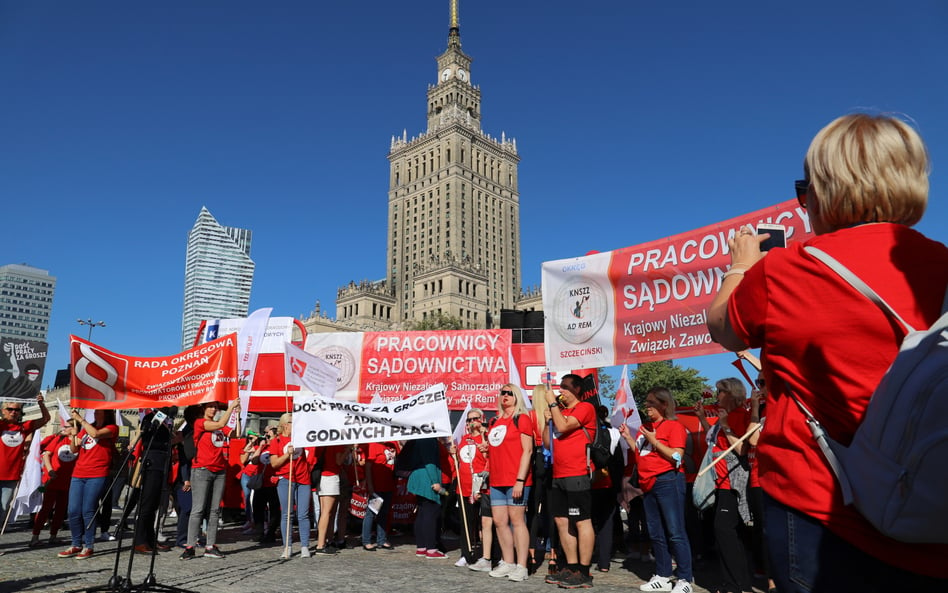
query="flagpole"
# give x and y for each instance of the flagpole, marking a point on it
(288, 547)
(12, 504)
(457, 473)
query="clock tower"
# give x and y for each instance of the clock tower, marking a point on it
(453, 215)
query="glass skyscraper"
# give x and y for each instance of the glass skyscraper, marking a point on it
(218, 274)
(26, 300)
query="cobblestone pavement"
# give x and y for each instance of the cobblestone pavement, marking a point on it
(251, 567)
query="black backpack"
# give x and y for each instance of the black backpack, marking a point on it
(599, 446)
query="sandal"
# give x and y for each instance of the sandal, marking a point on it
(387, 546)
(369, 548)
(602, 569)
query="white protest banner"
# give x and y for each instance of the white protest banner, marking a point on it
(321, 421)
(647, 302)
(312, 372)
(250, 338)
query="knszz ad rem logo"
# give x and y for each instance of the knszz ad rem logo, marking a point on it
(580, 310)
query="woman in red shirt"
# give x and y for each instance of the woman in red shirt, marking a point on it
(95, 445)
(58, 460)
(292, 485)
(511, 447)
(379, 482)
(731, 510)
(659, 447)
(865, 185)
(472, 461)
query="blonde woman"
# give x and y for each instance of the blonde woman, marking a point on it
(295, 484)
(511, 447)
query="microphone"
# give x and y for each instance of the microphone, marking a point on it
(159, 417)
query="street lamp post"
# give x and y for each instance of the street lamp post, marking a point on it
(91, 325)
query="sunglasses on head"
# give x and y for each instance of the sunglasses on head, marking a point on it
(506, 392)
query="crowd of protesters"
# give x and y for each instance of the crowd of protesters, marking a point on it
(522, 489)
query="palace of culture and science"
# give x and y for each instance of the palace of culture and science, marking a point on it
(453, 218)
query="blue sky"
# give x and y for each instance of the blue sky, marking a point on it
(634, 121)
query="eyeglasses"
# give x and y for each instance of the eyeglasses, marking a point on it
(801, 187)
(14, 410)
(760, 382)
(474, 419)
(651, 404)
(505, 392)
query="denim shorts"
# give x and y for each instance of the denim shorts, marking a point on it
(503, 497)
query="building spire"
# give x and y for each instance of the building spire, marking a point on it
(454, 32)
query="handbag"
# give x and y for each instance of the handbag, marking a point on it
(256, 481)
(702, 493)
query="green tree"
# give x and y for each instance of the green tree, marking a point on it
(685, 383)
(437, 321)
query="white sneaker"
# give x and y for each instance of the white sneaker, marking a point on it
(286, 554)
(657, 583)
(518, 574)
(461, 562)
(305, 553)
(503, 569)
(482, 565)
(682, 586)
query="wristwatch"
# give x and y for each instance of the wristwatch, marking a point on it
(554, 405)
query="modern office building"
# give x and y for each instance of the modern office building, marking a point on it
(26, 300)
(453, 214)
(218, 274)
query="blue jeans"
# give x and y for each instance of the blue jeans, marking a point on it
(7, 487)
(301, 494)
(83, 498)
(806, 557)
(665, 517)
(380, 521)
(245, 488)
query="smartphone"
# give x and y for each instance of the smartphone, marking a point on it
(778, 236)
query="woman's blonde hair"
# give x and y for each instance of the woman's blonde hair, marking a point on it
(665, 396)
(868, 168)
(520, 407)
(734, 387)
(285, 418)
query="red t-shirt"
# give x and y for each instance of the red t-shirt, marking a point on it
(12, 441)
(569, 450)
(301, 465)
(470, 461)
(651, 463)
(329, 455)
(210, 447)
(61, 458)
(506, 450)
(737, 421)
(95, 455)
(381, 456)
(832, 345)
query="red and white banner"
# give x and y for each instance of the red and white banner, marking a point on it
(472, 364)
(105, 380)
(647, 302)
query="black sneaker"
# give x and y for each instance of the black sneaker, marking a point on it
(187, 554)
(576, 580)
(213, 552)
(327, 551)
(556, 575)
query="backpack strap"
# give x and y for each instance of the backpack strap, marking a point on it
(857, 283)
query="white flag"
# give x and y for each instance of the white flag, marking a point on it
(624, 410)
(461, 428)
(249, 339)
(515, 379)
(28, 498)
(64, 415)
(310, 371)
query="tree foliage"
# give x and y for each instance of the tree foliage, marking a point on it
(437, 321)
(685, 383)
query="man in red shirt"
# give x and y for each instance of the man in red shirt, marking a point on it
(13, 433)
(571, 501)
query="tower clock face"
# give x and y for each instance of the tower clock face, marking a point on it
(462, 74)
(446, 74)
